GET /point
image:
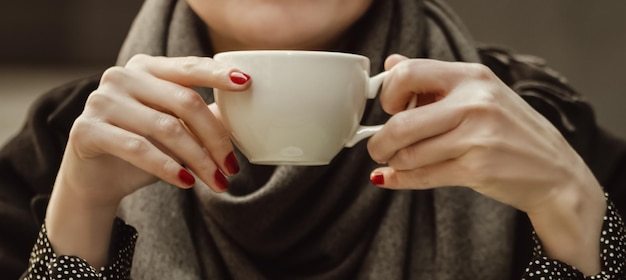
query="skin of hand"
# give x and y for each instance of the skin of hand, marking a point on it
(472, 130)
(144, 121)
(141, 124)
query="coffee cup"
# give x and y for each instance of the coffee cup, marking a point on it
(301, 108)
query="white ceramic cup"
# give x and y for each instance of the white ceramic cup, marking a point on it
(302, 107)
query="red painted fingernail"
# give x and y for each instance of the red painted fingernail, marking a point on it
(232, 166)
(378, 179)
(239, 78)
(186, 177)
(220, 180)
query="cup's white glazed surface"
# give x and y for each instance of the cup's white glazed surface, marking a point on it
(302, 107)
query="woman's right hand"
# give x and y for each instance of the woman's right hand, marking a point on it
(143, 123)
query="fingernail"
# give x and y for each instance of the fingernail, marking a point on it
(186, 177)
(239, 78)
(232, 166)
(377, 178)
(220, 180)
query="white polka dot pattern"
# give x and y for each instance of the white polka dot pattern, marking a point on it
(45, 264)
(612, 254)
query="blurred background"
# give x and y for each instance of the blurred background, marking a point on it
(46, 43)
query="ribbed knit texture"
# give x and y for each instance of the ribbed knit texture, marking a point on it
(324, 222)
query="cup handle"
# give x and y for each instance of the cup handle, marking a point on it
(366, 131)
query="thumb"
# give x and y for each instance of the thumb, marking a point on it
(394, 59)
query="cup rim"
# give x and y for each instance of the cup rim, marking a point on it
(290, 53)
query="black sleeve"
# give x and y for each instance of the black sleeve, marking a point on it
(28, 167)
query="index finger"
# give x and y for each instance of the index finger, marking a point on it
(426, 78)
(192, 71)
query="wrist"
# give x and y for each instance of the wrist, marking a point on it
(88, 194)
(569, 227)
(80, 225)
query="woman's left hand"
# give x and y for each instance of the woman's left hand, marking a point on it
(471, 130)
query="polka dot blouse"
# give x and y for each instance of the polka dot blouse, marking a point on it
(612, 254)
(45, 264)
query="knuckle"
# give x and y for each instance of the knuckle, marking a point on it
(138, 60)
(420, 177)
(168, 126)
(399, 125)
(113, 75)
(82, 127)
(480, 172)
(373, 151)
(97, 100)
(400, 75)
(403, 158)
(189, 99)
(406, 69)
(206, 163)
(424, 178)
(135, 145)
(484, 104)
(479, 164)
(483, 142)
(189, 64)
(395, 128)
(478, 71)
(165, 165)
(221, 143)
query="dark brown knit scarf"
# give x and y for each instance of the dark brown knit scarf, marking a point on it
(318, 222)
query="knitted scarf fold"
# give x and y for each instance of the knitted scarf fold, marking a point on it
(324, 222)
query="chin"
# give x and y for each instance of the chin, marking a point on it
(286, 43)
(274, 38)
(310, 24)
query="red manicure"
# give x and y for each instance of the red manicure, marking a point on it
(378, 179)
(239, 78)
(186, 177)
(231, 164)
(220, 180)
